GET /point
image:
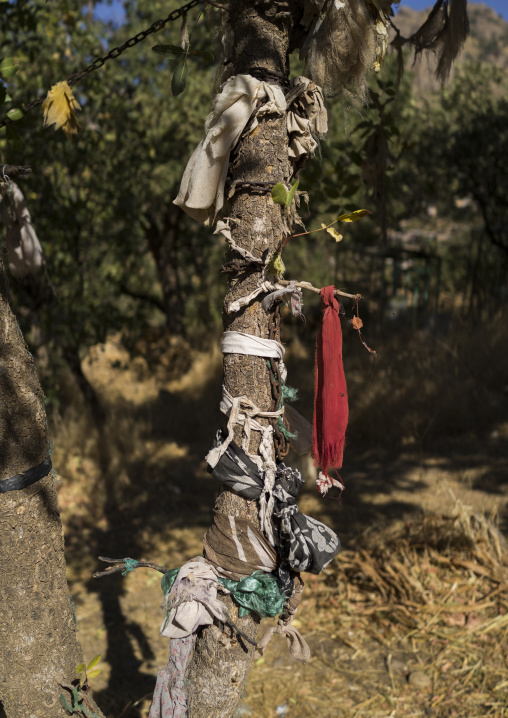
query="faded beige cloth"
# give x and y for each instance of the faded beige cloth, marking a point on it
(344, 40)
(201, 192)
(303, 130)
(237, 548)
(297, 645)
(24, 252)
(193, 601)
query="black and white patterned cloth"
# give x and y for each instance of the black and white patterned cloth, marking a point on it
(302, 543)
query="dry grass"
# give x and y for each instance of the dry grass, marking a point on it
(413, 623)
(412, 618)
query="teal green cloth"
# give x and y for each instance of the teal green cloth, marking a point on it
(168, 580)
(258, 593)
(130, 565)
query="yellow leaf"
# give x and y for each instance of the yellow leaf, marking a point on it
(94, 673)
(333, 232)
(80, 668)
(59, 109)
(93, 662)
(353, 216)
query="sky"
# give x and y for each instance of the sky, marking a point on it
(114, 11)
(500, 6)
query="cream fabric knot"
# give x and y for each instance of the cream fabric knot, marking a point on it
(201, 192)
(297, 645)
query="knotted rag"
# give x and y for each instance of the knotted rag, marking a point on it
(302, 543)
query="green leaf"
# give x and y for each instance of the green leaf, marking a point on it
(169, 50)
(81, 668)
(204, 55)
(353, 216)
(93, 674)
(292, 193)
(15, 114)
(93, 662)
(279, 194)
(179, 79)
(8, 67)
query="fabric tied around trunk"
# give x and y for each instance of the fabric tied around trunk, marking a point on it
(201, 192)
(302, 543)
(236, 547)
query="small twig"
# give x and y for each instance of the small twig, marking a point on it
(311, 231)
(15, 171)
(316, 290)
(121, 566)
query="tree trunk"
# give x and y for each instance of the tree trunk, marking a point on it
(261, 36)
(39, 649)
(163, 244)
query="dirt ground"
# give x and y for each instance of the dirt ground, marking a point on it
(138, 486)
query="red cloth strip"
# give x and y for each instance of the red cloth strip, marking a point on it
(330, 390)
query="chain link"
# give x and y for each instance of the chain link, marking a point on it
(255, 187)
(116, 51)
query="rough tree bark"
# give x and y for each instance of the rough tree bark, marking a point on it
(39, 648)
(261, 38)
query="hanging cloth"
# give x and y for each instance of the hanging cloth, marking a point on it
(330, 390)
(201, 192)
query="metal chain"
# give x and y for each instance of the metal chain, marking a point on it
(116, 52)
(256, 187)
(281, 444)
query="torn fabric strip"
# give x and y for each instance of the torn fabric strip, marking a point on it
(303, 130)
(170, 697)
(201, 192)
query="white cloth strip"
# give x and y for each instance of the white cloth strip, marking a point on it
(264, 557)
(239, 548)
(243, 343)
(265, 287)
(241, 410)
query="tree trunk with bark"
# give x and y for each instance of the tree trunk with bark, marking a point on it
(163, 243)
(39, 649)
(261, 38)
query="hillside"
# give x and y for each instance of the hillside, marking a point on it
(487, 42)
